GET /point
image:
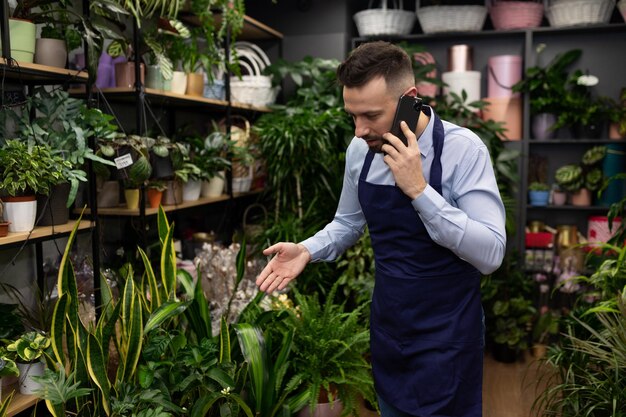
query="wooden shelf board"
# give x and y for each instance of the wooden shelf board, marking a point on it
(123, 211)
(252, 28)
(31, 71)
(43, 232)
(20, 402)
(127, 93)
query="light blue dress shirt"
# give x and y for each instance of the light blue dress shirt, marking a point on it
(468, 219)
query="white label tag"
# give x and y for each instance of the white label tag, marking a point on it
(123, 161)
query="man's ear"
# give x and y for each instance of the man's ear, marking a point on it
(412, 92)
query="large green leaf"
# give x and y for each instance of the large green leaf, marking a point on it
(166, 311)
(57, 328)
(97, 370)
(155, 297)
(252, 347)
(198, 314)
(168, 265)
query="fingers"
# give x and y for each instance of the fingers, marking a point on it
(272, 281)
(408, 133)
(275, 248)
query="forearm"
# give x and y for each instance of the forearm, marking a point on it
(329, 243)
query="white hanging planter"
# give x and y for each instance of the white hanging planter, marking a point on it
(27, 384)
(21, 212)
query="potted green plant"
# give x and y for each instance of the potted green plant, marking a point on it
(580, 180)
(155, 191)
(329, 351)
(585, 114)
(29, 349)
(209, 154)
(63, 124)
(546, 87)
(617, 116)
(545, 327)
(8, 368)
(27, 171)
(538, 193)
(54, 43)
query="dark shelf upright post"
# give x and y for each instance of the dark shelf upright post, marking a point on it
(4, 28)
(139, 123)
(93, 199)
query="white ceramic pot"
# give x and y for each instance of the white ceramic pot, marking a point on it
(214, 187)
(179, 82)
(191, 190)
(21, 212)
(51, 52)
(27, 385)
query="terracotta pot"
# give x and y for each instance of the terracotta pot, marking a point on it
(51, 52)
(4, 228)
(125, 74)
(614, 132)
(581, 198)
(154, 197)
(195, 84)
(559, 198)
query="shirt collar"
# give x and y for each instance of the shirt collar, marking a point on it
(425, 141)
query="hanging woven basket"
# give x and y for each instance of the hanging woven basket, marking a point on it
(515, 14)
(562, 13)
(384, 21)
(464, 18)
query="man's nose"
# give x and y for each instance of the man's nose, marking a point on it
(360, 128)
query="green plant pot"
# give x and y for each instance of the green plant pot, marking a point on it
(22, 35)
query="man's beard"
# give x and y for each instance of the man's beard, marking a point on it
(374, 138)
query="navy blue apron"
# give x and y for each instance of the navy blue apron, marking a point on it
(426, 314)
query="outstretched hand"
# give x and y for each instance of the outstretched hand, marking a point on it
(288, 262)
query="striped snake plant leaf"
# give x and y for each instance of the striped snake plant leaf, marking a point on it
(166, 311)
(168, 265)
(106, 328)
(4, 405)
(132, 332)
(224, 342)
(241, 262)
(57, 327)
(97, 370)
(65, 281)
(155, 296)
(253, 349)
(186, 281)
(162, 224)
(198, 314)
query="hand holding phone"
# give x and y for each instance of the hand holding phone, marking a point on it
(408, 110)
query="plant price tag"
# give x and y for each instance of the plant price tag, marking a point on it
(123, 161)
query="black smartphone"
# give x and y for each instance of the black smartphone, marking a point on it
(408, 110)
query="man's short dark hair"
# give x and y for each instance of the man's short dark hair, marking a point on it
(374, 59)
